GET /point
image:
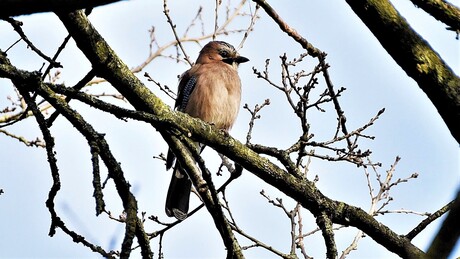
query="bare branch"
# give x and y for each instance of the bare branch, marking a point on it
(17, 27)
(164, 88)
(432, 217)
(254, 17)
(254, 116)
(448, 234)
(30, 143)
(312, 51)
(173, 28)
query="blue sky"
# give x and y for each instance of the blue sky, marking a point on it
(410, 128)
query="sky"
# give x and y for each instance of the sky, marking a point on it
(410, 128)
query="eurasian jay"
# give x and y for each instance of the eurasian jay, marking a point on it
(210, 90)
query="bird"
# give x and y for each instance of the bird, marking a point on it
(211, 91)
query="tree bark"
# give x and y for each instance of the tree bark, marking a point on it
(441, 11)
(415, 56)
(20, 7)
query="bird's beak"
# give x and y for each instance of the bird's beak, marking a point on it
(241, 59)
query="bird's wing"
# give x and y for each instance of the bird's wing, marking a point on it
(186, 85)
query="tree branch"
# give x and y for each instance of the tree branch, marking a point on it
(17, 27)
(422, 225)
(415, 56)
(325, 224)
(448, 234)
(442, 11)
(312, 51)
(21, 7)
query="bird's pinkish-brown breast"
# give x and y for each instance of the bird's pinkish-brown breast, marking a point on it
(215, 99)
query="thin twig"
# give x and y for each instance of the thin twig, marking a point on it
(17, 27)
(173, 28)
(254, 17)
(422, 225)
(30, 143)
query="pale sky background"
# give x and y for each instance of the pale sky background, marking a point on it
(410, 128)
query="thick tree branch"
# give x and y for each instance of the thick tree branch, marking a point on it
(442, 11)
(415, 56)
(21, 7)
(325, 224)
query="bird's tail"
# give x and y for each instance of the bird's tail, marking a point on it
(177, 200)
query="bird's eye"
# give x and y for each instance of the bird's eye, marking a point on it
(224, 53)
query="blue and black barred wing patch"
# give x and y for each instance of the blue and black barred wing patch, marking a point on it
(186, 92)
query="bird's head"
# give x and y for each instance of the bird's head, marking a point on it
(220, 51)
